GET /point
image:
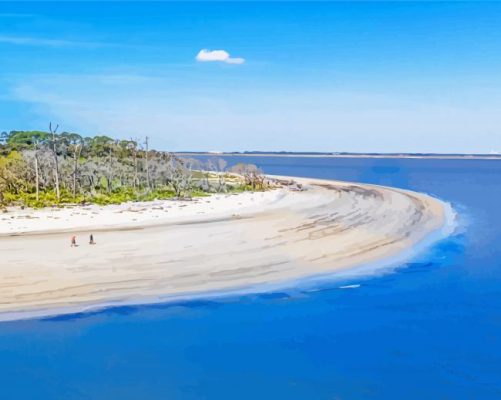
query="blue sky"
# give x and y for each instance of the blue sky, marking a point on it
(377, 77)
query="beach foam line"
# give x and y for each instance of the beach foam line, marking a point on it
(288, 238)
(355, 286)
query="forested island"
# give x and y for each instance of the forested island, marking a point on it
(47, 168)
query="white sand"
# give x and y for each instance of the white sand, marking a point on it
(95, 218)
(156, 251)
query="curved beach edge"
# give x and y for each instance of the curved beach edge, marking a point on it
(375, 265)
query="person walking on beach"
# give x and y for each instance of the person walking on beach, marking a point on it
(91, 239)
(73, 241)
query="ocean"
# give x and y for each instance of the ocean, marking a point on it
(429, 329)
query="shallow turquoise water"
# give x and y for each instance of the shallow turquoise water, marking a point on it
(430, 330)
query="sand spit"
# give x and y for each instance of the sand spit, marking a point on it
(166, 249)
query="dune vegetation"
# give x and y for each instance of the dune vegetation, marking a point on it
(47, 168)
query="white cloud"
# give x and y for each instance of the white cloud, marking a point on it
(205, 55)
(33, 41)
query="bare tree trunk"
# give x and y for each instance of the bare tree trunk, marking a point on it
(135, 171)
(37, 178)
(109, 174)
(74, 175)
(134, 153)
(56, 164)
(147, 166)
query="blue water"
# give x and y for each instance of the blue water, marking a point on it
(430, 330)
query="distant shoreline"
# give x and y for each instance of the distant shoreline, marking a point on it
(347, 155)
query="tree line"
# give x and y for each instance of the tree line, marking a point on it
(42, 168)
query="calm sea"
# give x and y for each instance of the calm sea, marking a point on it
(429, 330)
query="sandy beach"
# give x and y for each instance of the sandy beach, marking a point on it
(156, 251)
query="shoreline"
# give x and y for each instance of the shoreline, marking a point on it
(362, 156)
(276, 239)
